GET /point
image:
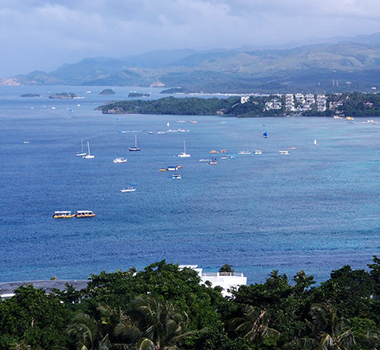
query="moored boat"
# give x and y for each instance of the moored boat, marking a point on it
(85, 214)
(63, 214)
(184, 154)
(129, 189)
(173, 167)
(119, 160)
(88, 155)
(135, 148)
(82, 153)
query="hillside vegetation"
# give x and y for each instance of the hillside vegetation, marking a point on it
(347, 104)
(163, 307)
(309, 68)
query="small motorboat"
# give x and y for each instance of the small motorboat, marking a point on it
(129, 189)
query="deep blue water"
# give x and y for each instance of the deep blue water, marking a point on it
(315, 209)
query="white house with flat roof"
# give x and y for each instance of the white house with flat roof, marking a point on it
(226, 280)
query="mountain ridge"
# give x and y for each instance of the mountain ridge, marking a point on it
(316, 67)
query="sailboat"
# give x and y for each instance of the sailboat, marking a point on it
(265, 134)
(135, 148)
(88, 155)
(315, 142)
(81, 153)
(184, 154)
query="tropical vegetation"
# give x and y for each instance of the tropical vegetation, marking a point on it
(164, 307)
(346, 104)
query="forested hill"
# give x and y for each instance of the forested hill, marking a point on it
(344, 66)
(172, 105)
(354, 105)
(163, 307)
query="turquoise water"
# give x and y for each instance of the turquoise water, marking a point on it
(315, 209)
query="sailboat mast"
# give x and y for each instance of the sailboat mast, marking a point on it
(88, 147)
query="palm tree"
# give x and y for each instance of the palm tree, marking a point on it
(326, 325)
(88, 333)
(162, 325)
(326, 330)
(253, 325)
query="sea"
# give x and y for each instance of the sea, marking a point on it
(315, 209)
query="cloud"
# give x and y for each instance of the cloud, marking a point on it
(47, 33)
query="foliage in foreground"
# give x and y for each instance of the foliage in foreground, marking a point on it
(163, 307)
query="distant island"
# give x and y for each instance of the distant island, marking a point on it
(137, 94)
(170, 105)
(64, 96)
(347, 104)
(107, 92)
(176, 90)
(30, 95)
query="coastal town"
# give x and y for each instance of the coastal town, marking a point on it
(255, 105)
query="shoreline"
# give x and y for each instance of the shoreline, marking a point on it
(7, 288)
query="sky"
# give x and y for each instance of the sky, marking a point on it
(44, 34)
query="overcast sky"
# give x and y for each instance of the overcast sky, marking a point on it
(44, 34)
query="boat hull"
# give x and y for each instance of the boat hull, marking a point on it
(63, 216)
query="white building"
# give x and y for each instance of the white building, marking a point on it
(226, 280)
(289, 102)
(244, 99)
(309, 99)
(300, 98)
(321, 103)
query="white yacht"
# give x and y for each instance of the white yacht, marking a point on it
(184, 154)
(129, 189)
(82, 152)
(119, 160)
(135, 148)
(88, 155)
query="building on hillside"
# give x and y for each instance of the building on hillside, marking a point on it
(309, 99)
(300, 98)
(289, 103)
(321, 103)
(226, 280)
(244, 99)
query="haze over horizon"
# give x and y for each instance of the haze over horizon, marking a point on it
(44, 34)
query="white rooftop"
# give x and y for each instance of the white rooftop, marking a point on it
(226, 280)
